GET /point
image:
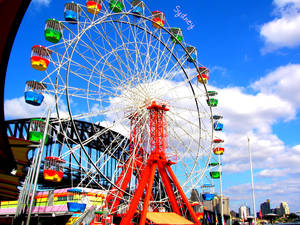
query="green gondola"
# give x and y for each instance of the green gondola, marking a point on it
(53, 30)
(116, 5)
(215, 174)
(176, 36)
(36, 130)
(213, 102)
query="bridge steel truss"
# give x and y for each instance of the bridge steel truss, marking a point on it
(62, 134)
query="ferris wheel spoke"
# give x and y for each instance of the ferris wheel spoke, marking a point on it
(160, 54)
(125, 48)
(186, 133)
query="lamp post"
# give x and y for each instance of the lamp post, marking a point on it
(252, 182)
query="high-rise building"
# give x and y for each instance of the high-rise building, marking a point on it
(284, 208)
(265, 207)
(244, 212)
(277, 211)
(216, 205)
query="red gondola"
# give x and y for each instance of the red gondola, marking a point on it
(94, 6)
(204, 75)
(53, 170)
(216, 141)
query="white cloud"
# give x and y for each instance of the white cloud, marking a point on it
(245, 112)
(277, 98)
(42, 2)
(17, 108)
(282, 82)
(273, 173)
(278, 191)
(282, 3)
(284, 30)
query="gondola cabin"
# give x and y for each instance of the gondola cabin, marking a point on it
(138, 7)
(34, 92)
(217, 141)
(208, 192)
(75, 200)
(177, 36)
(208, 196)
(213, 102)
(36, 130)
(94, 7)
(192, 53)
(217, 117)
(72, 12)
(53, 30)
(218, 126)
(219, 151)
(158, 19)
(214, 164)
(116, 5)
(40, 57)
(53, 168)
(215, 174)
(203, 76)
(212, 93)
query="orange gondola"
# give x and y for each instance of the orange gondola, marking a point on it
(158, 19)
(40, 57)
(219, 151)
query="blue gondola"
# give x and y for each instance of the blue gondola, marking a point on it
(208, 192)
(34, 92)
(218, 126)
(193, 53)
(208, 196)
(75, 203)
(138, 7)
(72, 11)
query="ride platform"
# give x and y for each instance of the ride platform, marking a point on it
(167, 218)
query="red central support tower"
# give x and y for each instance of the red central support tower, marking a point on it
(157, 161)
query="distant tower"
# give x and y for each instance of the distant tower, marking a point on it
(244, 212)
(265, 207)
(284, 208)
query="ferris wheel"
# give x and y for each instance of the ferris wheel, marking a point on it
(121, 67)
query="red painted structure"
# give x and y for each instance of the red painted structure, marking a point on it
(157, 161)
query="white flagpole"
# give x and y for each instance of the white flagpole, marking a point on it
(252, 182)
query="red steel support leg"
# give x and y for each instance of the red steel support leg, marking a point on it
(148, 195)
(137, 196)
(168, 187)
(184, 198)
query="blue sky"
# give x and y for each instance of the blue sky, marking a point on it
(252, 51)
